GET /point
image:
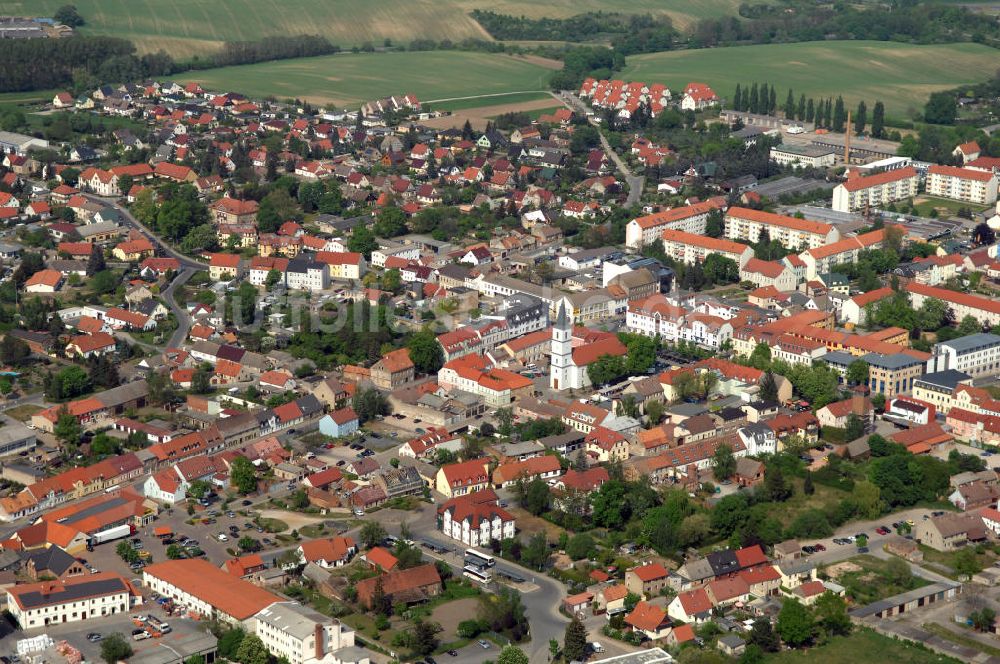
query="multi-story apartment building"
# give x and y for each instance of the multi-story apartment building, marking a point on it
(691, 248)
(875, 190)
(983, 309)
(976, 354)
(750, 225)
(821, 260)
(963, 184)
(302, 274)
(644, 231)
(891, 375)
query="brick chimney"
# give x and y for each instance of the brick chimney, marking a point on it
(859, 397)
(318, 637)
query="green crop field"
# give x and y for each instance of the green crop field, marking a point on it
(186, 27)
(349, 79)
(901, 75)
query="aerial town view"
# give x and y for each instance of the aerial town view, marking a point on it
(453, 331)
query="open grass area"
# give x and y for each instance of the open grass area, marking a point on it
(350, 79)
(861, 647)
(874, 581)
(188, 27)
(901, 75)
(23, 413)
(945, 207)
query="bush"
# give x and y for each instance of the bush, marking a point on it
(469, 629)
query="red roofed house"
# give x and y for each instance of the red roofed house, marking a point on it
(44, 281)
(393, 370)
(223, 266)
(458, 479)
(646, 580)
(406, 586)
(649, 620)
(327, 553)
(541, 467)
(691, 606)
(175, 172)
(380, 559)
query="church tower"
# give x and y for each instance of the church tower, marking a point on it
(562, 352)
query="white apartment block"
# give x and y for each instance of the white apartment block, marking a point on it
(71, 600)
(306, 275)
(976, 355)
(644, 231)
(875, 190)
(303, 636)
(409, 252)
(477, 525)
(691, 248)
(749, 225)
(962, 184)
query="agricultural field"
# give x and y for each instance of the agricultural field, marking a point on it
(187, 27)
(901, 75)
(349, 79)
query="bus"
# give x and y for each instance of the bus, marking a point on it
(481, 575)
(478, 559)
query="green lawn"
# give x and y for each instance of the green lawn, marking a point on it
(862, 647)
(350, 79)
(873, 583)
(946, 207)
(901, 75)
(187, 27)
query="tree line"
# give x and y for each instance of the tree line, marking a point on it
(762, 99)
(83, 62)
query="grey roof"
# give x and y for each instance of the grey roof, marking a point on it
(696, 570)
(948, 379)
(73, 591)
(973, 342)
(688, 409)
(117, 396)
(731, 641)
(903, 598)
(53, 559)
(896, 361)
(839, 358)
(562, 439)
(292, 618)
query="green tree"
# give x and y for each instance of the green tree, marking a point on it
(425, 352)
(795, 623)
(537, 497)
(878, 120)
(860, 118)
(114, 648)
(363, 241)
(536, 552)
(68, 429)
(575, 641)
(831, 614)
(512, 655)
(174, 552)
(857, 372)
(983, 620)
(229, 642)
(68, 15)
(425, 639)
(714, 224)
(723, 462)
(606, 369)
(372, 534)
(941, 108)
(275, 209)
(580, 546)
(243, 475)
(762, 634)
(252, 651)
(760, 358)
(201, 380)
(807, 486)
(969, 325)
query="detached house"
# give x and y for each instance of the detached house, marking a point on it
(459, 479)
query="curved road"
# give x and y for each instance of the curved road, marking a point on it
(188, 267)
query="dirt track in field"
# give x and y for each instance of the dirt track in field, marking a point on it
(479, 116)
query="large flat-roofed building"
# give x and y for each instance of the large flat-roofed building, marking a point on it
(939, 388)
(750, 225)
(976, 355)
(804, 156)
(76, 598)
(871, 191)
(303, 636)
(208, 590)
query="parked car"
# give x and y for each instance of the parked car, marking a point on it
(485, 645)
(819, 547)
(94, 637)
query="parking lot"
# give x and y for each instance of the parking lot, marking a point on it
(186, 636)
(104, 557)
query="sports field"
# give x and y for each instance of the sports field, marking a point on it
(901, 75)
(187, 27)
(349, 79)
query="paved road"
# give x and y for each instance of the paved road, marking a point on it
(541, 602)
(188, 267)
(635, 182)
(838, 552)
